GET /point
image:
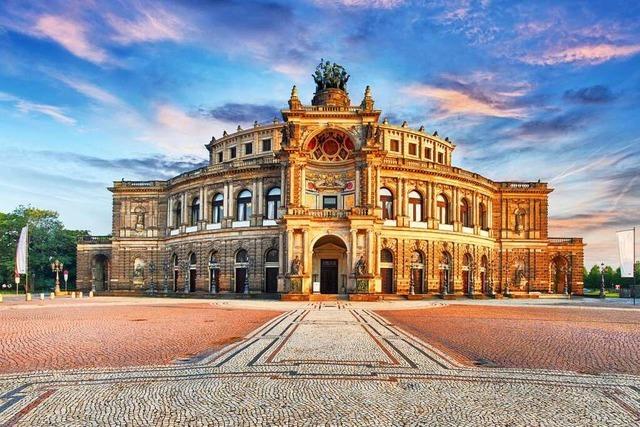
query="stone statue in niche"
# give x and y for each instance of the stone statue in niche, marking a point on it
(296, 265)
(360, 269)
(139, 214)
(520, 276)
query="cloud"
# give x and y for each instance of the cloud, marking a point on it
(461, 100)
(150, 167)
(72, 35)
(590, 54)
(365, 4)
(560, 124)
(151, 25)
(25, 106)
(88, 89)
(241, 113)
(597, 94)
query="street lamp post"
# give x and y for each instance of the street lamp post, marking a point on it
(246, 277)
(57, 267)
(184, 266)
(152, 270)
(17, 280)
(602, 295)
(566, 280)
(212, 273)
(65, 275)
(165, 270)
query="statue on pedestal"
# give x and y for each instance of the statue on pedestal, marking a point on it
(296, 265)
(360, 269)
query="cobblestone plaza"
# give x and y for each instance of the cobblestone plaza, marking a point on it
(328, 363)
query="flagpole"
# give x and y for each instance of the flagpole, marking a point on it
(634, 266)
(26, 279)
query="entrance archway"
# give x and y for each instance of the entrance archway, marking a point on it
(559, 266)
(242, 262)
(193, 272)
(271, 269)
(100, 272)
(386, 271)
(330, 264)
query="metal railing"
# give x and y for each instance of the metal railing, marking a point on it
(94, 240)
(564, 240)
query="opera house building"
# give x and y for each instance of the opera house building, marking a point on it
(331, 199)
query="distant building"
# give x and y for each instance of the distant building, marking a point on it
(334, 197)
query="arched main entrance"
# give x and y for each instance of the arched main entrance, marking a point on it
(100, 273)
(193, 272)
(330, 264)
(559, 268)
(386, 271)
(241, 265)
(271, 268)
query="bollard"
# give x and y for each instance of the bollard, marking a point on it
(41, 296)
(80, 295)
(52, 295)
(28, 297)
(73, 294)
(90, 294)
(0, 297)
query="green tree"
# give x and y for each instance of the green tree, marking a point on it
(48, 240)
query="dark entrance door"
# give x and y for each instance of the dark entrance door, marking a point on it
(271, 284)
(192, 280)
(387, 280)
(329, 276)
(241, 275)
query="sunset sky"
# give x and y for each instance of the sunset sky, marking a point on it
(96, 91)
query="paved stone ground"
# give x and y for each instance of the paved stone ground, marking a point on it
(570, 339)
(66, 333)
(327, 364)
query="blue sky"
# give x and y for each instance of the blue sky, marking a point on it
(92, 92)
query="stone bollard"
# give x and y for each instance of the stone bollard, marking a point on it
(0, 297)
(41, 296)
(27, 297)
(90, 294)
(73, 295)
(52, 295)
(80, 295)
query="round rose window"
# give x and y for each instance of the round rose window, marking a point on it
(330, 145)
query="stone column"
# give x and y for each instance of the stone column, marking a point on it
(283, 268)
(303, 184)
(225, 200)
(354, 247)
(289, 257)
(283, 184)
(377, 255)
(305, 251)
(369, 251)
(229, 200)
(254, 203)
(170, 212)
(204, 203)
(260, 207)
(184, 218)
(357, 201)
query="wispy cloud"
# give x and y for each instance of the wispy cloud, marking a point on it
(598, 94)
(367, 4)
(451, 102)
(72, 35)
(583, 54)
(150, 25)
(89, 90)
(241, 113)
(25, 106)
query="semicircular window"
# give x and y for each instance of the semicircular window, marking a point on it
(330, 146)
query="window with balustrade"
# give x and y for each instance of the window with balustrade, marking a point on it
(243, 206)
(195, 211)
(386, 203)
(443, 209)
(465, 213)
(217, 204)
(415, 206)
(273, 203)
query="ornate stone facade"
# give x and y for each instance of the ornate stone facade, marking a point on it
(295, 206)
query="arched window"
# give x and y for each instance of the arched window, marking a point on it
(216, 208)
(417, 271)
(195, 211)
(386, 203)
(271, 255)
(484, 220)
(467, 274)
(415, 206)
(443, 209)
(386, 256)
(243, 211)
(192, 260)
(465, 213)
(242, 256)
(273, 203)
(177, 215)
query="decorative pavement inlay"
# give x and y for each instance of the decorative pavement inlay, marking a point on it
(326, 363)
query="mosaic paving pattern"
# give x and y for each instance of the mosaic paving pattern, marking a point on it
(321, 364)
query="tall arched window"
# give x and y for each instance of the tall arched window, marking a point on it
(484, 221)
(386, 203)
(386, 271)
(465, 213)
(195, 211)
(443, 209)
(177, 215)
(273, 203)
(415, 206)
(216, 208)
(242, 256)
(243, 211)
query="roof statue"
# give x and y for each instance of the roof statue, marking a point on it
(329, 76)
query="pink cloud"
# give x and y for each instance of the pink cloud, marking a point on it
(72, 35)
(588, 54)
(453, 102)
(149, 26)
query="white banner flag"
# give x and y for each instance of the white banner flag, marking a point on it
(21, 252)
(626, 242)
